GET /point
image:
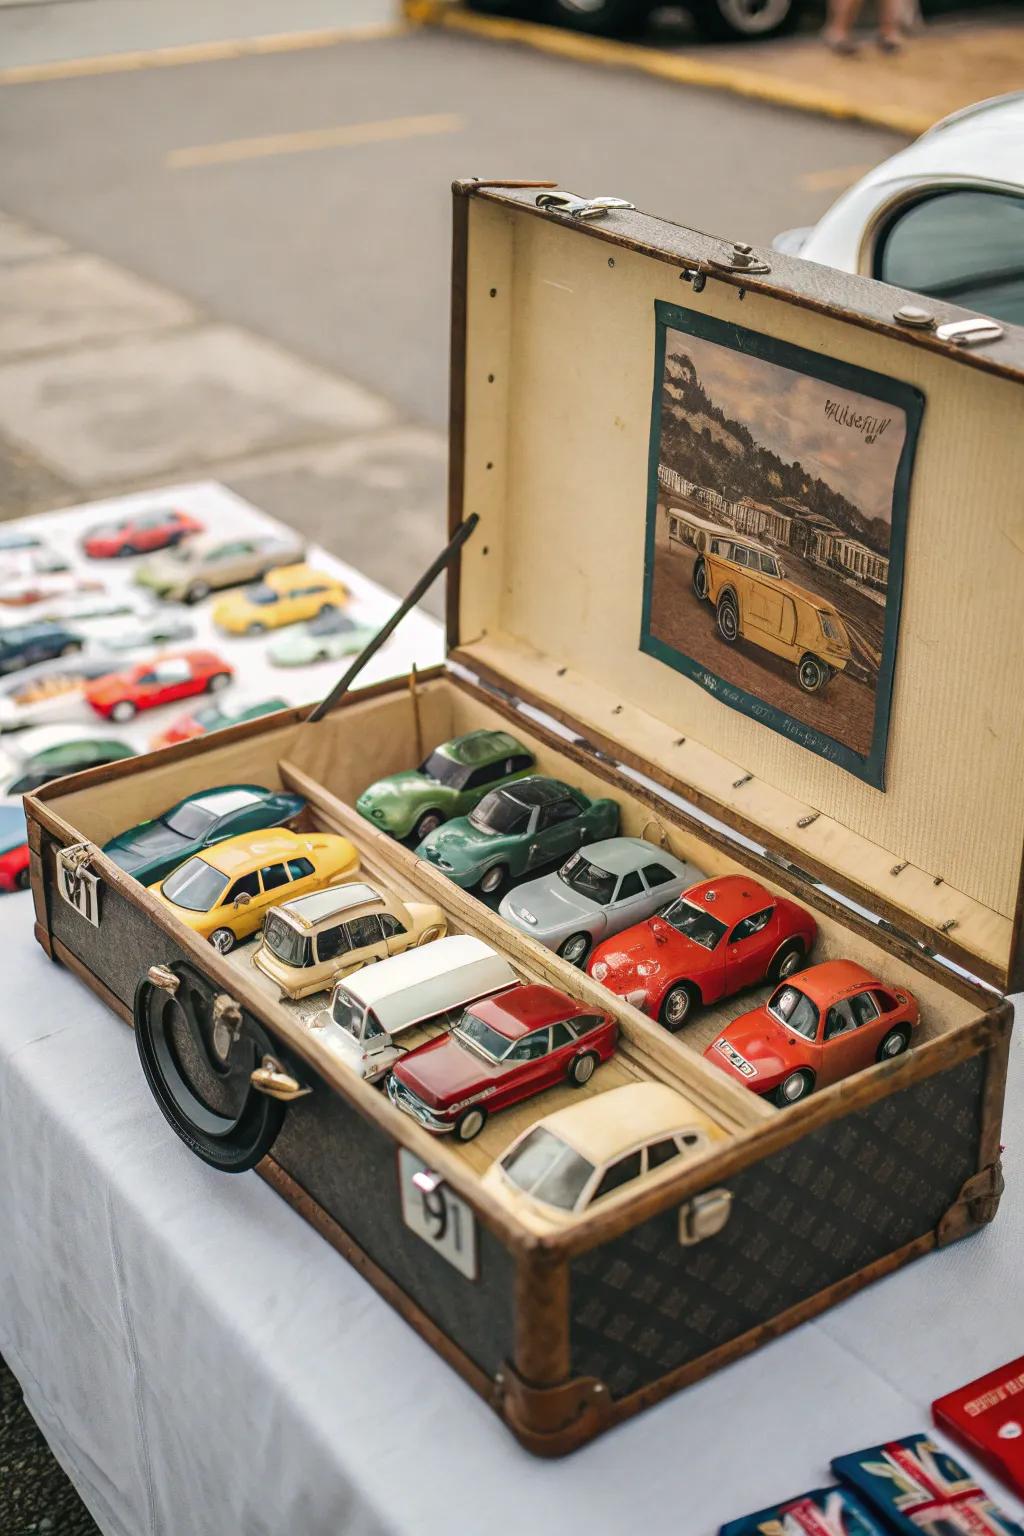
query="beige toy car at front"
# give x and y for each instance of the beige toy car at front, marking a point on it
(310, 943)
(578, 1157)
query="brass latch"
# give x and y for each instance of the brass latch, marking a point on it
(226, 1017)
(704, 1216)
(587, 208)
(163, 977)
(271, 1078)
(76, 882)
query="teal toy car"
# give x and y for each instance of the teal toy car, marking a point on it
(519, 827)
(154, 848)
(450, 782)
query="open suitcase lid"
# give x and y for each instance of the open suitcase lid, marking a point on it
(853, 485)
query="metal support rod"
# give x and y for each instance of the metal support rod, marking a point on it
(426, 581)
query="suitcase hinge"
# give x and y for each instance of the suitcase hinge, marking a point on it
(551, 1420)
(974, 1206)
(704, 1216)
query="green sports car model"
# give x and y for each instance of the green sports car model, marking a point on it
(519, 827)
(450, 782)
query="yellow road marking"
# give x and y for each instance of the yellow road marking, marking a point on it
(682, 69)
(196, 53)
(835, 180)
(344, 136)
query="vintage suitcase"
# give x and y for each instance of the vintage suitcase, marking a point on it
(638, 411)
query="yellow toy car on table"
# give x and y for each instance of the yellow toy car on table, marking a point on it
(289, 594)
(223, 894)
(753, 600)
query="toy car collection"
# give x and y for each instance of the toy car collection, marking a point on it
(429, 984)
(153, 849)
(450, 782)
(214, 717)
(51, 691)
(329, 637)
(224, 893)
(174, 675)
(139, 535)
(23, 644)
(821, 1025)
(198, 566)
(598, 891)
(500, 1051)
(14, 855)
(714, 940)
(310, 943)
(287, 595)
(566, 1162)
(36, 757)
(529, 823)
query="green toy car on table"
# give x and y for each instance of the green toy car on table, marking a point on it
(519, 827)
(450, 782)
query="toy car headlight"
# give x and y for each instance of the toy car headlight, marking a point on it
(647, 968)
(526, 915)
(377, 813)
(600, 971)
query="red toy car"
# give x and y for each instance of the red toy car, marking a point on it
(13, 849)
(175, 675)
(818, 1027)
(139, 535)
(503, 1049)
(715, 939)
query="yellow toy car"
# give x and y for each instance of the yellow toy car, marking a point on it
(754, 601)
(289, 594)
(223, 894)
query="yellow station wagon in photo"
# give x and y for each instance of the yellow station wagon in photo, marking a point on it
(313, 941)
(223, 893)
(289, 594)
(754, 601)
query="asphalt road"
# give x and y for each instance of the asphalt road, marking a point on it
(335, 241)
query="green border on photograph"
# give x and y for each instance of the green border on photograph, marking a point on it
(870, 768)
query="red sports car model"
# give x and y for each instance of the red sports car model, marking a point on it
(715, 939)
(503, 1049)
(819, 1026)
(139, 535)
(175, 675)
(13, 849)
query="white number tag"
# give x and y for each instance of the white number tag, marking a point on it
(80, 888)
(433, 1212)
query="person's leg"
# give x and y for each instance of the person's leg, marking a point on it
(841, 16)
(890, 15)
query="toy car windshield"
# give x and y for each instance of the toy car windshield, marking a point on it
(195, 886)
(281, 939)
(587, 879)
(261, 594)
(794, 1009)
(444, 771)
(693, 923)
(548, 1169)
(500, 813)
(331, 622)
(480, 1037)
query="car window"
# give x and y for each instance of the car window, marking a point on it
(364, 930)
(333, 942)
(172, 672)
(561, 1035)
(769, 565)
(584, 1023)
(299, 868)
(863, 1008)
(519, 763)
(739, 555)
(561, 810)
(246, 885)
(884, 1001)
(622, 1172)
(657, 874)
(531, 1047)
(485, 775)
(660, 1152)
(964, 246)
(839, 1020)
(629, 885)
(391, 925)
(794, 1009)
(273, 876)
(751, 925)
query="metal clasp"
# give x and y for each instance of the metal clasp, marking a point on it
(581, 207)
(970, 333)
(426, 1181)
(704, 1216)
(163, 977)
(76, 882)
(226, 1017)
(271, 1078)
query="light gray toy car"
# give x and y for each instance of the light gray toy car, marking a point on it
(600, 890)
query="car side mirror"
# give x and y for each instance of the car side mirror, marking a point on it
(242, 899)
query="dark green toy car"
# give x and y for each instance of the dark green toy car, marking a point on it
(154, 848)
(450, 782)
(519, 827)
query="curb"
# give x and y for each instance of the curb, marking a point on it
(681, 69)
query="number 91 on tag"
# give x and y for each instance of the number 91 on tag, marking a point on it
(433, 1212)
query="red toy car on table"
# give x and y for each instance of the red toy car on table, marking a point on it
(819, 1026)
(140, 534)
(175, 675)
(503, 1049)
(715, 939)
(13, 849)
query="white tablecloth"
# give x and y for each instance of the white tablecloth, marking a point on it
(204, 1365)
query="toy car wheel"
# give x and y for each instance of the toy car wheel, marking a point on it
(327, 608)
(894, 1044)
(197, 591)
(812, 674)
(322, 656)
(583, 1068)
(742, 20)
(728, 618)
(492, 880)
(223, 940)
(678, 1005)
(72, 648)
(428, 936)
(470, 1123)
(124, 709)
(128, 549)
(218, 681)
(700, 578)
(601, 18)
(255, 628)
(794, 1088)
(22, 880)
(790, 958)
(575, 948)
(428, 822)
